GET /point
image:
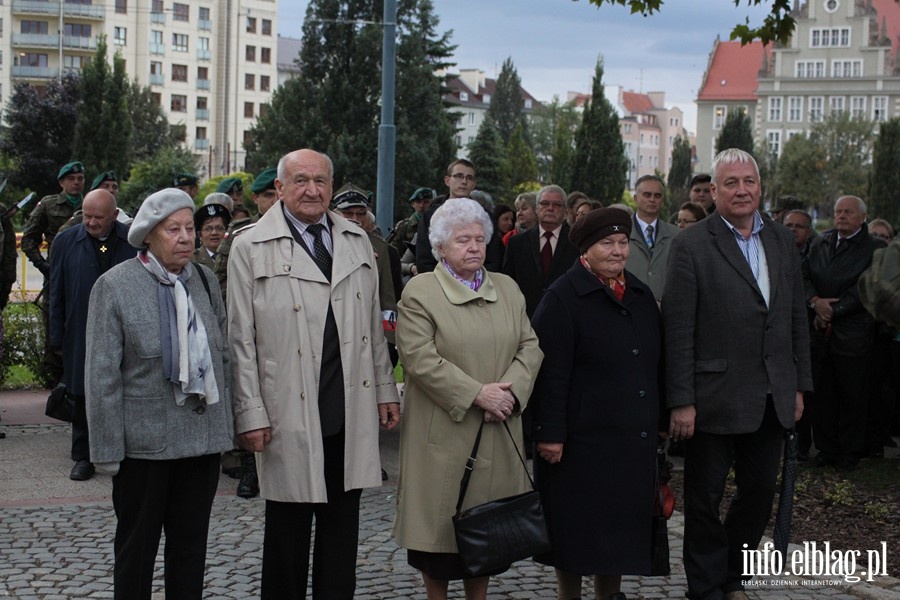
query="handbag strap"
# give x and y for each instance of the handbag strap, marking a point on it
(470, 465)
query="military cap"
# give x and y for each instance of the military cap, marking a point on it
(104, 176)
(72, 167)
(155, 209)
(220, 198)
(787, 202)
(231, 184)
(264, 181)
(184, 179)
(349, 196)
(423, 193)
(210, 211)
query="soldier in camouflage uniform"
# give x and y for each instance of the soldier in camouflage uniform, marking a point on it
(106, 180)
(405, 230)
(48, 216)
(187, 182)
(264, 196)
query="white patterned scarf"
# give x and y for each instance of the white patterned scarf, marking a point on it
(187, 361)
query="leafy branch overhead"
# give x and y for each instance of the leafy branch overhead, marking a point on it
(778, 26)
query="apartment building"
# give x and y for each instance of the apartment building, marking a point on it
(842, 57)
(211, 64)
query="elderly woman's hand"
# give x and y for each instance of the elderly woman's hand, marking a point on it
(550, 451)
(496, 399)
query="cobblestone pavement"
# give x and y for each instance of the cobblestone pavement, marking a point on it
(59, 546)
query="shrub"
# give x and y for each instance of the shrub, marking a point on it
(23, 341)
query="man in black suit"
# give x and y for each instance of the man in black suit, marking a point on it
(737, 363)
(536, 258)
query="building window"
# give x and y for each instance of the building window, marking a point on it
(179, 103)
(29, 59)
(155, 68)
(248, 137)
(879, 108)
(264, 83)
(459, 141)
(157, 98)
(471, 118)
(202, 108)
(775, 108)
(250, 54)
(203, 20)
(846, 68)
(263, 110)
(203, 73)
(179, 72)
(464, 96)
(265, 56)
(75, 63)
(248, 110)
(156, 43)
(77, 30)
(836, 104)
(181, 12)
(816, 109)
(203, 48)
(201, 133)
(249, 82)
(528, 104)
(179, 42)
(38, 27)
(773, 142)
(251, 24)
(486, 98)
(809, 69)
(795, 109)
(156, 6)
(122, 7)
(720, 111)
(120, 36)
(829, 37)
(267, 27)
(858, 107)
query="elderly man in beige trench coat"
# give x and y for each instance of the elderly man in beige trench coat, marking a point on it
(312, 378)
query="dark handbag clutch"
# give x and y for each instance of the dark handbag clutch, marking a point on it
(493, 535)
(659, 543)
(59, 404)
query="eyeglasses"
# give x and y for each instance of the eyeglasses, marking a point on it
(548, 204)
(215, 229)
(463, 177)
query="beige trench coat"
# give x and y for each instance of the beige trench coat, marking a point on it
(277, 304)
(452, 340)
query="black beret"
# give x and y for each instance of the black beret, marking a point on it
(597, 225)
(210, 211)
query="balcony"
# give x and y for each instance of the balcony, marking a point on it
(35, 40)
(203, 114)
(201, 144)
(203, 84)
(79, 43)
(39, 7)
(159, 49)
(156, 79)
(204, 55)
(158, 18)
(33, 72)
(204, 25)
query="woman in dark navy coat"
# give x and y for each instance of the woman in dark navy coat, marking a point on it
(597, 411)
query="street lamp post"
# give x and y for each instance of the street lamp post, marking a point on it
(387, 133)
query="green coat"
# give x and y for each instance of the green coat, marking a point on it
(451, 341)
(48, 216)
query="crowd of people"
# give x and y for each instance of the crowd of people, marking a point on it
(597, 332)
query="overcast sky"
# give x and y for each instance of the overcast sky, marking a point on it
(554, 44)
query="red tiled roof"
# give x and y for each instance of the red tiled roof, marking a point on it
(636, 103)
(889, 13)
(733, 71)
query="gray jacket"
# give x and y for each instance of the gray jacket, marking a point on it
(131, 407)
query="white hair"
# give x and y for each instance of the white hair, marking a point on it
(279, 170)
(860, 204)
(453, 214)
(732, 156)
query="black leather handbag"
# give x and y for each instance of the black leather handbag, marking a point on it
(60, 405)
(493, 535)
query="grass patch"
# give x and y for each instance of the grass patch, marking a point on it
(20, 377)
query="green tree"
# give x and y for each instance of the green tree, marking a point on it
(552, 128)
(778, 25)
(506, 103)
(522, 163)
(736, 132)
(38, 133)
(885, 179)
(799, 170)
(680, 173)
(153, 174)
(103, 128)
(489, 156)
(599, 164)
(150, 129)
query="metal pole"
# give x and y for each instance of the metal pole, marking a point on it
(387, 135)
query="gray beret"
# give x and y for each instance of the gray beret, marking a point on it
(155, 209)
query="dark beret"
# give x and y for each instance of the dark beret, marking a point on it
(210, 211)
(264, 181)
(72, 167)
(104, 176)
(183, 179)
(597, 225)
(231, 184)
(423, 193)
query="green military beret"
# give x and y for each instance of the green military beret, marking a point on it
(423, 193)
(183, 179)
(104, 176)
(72, 167)
(264, 181)
(231, 184)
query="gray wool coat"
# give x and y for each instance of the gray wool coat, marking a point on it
(131, 407)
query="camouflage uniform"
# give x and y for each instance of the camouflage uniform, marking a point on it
(221, 268)
(403, 232)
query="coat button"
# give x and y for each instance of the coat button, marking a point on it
(642, 393)
(635, 351)
(200, 409)
(303, 395)
(358, 296)
(480, 302)
(643, 435)
(367, 383)
(296, 308)
(286, 268)
(624, 312)
(365, 339)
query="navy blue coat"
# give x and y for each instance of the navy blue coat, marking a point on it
(599, 392)
(74, 269)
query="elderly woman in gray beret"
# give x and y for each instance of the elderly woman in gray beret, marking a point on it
(158, 385)
(470, 356)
